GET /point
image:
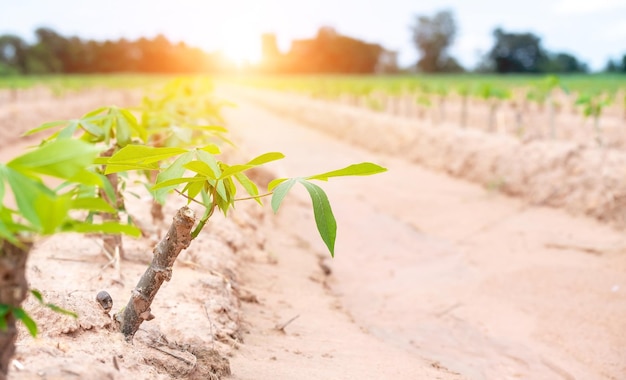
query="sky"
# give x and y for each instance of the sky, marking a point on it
(592, 30)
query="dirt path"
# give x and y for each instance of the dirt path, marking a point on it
(433, 276)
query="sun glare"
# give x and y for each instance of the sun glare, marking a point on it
(242, 51)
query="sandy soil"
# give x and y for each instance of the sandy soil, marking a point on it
(434, 278)
(477, 283)
(580, 177)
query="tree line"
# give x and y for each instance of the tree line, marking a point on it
(511, 52)
(54, 53)
(327, 52)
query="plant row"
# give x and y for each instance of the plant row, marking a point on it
(173, 143)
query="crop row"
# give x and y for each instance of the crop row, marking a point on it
(583, 108)
(172, 143)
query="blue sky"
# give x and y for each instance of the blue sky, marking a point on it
(593, 30)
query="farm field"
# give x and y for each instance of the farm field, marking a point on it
(434, 277)
(575, 108)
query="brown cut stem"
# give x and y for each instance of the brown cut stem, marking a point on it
(13, 291)
(165, 253)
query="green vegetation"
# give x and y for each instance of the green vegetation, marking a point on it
(550, 94)
(88, 153)
(331, 86)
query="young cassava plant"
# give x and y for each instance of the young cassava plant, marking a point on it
(211, 183)
(110, 128)
(29, 208)
(592, 105)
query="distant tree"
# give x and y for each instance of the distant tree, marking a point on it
(432, 37)
(611, 67)
(14, 53)
(563, 63)
(47, 55)
(616, 66)
(451, 65)
(517, 53)
(331, 52)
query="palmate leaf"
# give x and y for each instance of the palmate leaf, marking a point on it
(280, 192)
(260, 160)
(59, 158)
(208, 159)
(250, 187)
(201, 168)
(175, 170)
(324, 218)
(26, 191)
(45, 126)
(52, 212)
(138, 157)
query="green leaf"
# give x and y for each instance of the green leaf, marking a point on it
(280, 191)
(93, 129)
(132, 122)
(52, 211)
(45, 126)
(250, 187)
(4, 310)
(194, 188)
(3, 175)
(20, 314)
(211, 148)
(142, 154)
(275, 182)
(208, 159)
(106, 227)
(124, 167)
(362, 169)
(176, 181)
(92, 204)
(95, 112)
(230, 170)
(324, 218)
(60, 158)
(51, 306)
(108, 188)
(60, 310)
(201, 168)
(175, 170)
(68, 131)
(37, 294)
(231, 189)
(209, 128)
(122, 131)
(265, 158)
(26, 191)
(221, 190)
